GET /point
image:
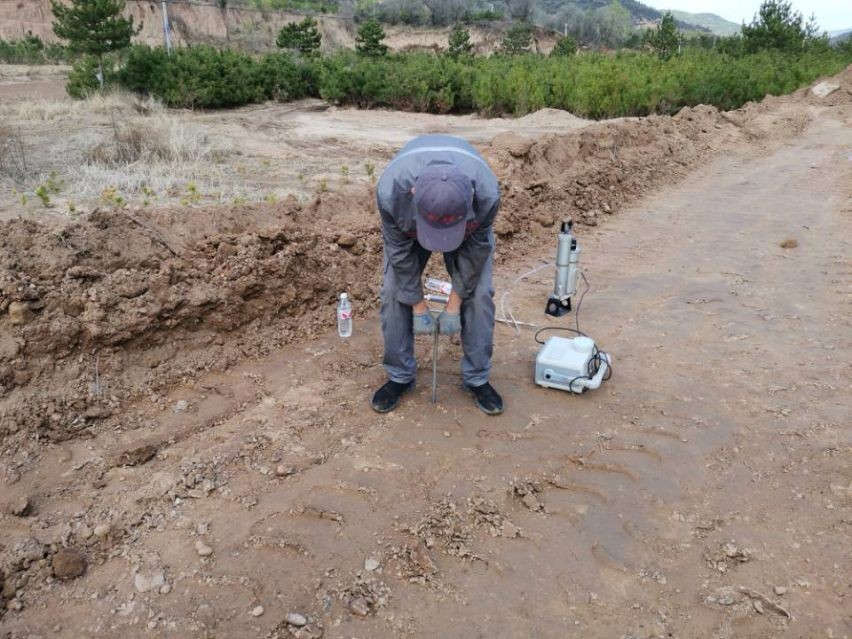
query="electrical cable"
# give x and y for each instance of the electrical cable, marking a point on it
(508, 317)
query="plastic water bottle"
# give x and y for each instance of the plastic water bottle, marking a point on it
(439, 286)
(344, 316)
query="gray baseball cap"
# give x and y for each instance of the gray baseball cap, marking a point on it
(443, 197)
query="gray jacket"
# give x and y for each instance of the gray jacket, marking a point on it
(399, 216)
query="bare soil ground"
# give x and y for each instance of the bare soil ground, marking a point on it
(179, 425)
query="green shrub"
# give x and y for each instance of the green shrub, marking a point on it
(594, 85)
(459, 44)
(283, 77)
(83, 79)
(565, 46)
(777, 26)
(200, 76)
(518, 39)
(665, 40)
(302, 37)
(31, 50)
(370, 40)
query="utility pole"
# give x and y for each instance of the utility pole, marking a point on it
(565, 27)
(167, 28)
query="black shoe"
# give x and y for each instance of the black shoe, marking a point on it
(388, 396)
(487, 399)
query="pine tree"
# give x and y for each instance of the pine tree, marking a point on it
(518, 39)
(370, 40)
(459, 45)
(564, 47)
(303, 37)
(665, 40)
(94, 27)
(777, 26)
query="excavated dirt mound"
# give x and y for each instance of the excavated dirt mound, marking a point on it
(120, 303)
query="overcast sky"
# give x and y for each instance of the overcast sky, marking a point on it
(831, 15)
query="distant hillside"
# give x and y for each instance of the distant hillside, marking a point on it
(712, 22)
(640, 12)
(842, 34)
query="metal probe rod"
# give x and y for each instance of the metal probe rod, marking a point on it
(435, 367)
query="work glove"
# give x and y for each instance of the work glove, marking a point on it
(424, 323)
(449, 323)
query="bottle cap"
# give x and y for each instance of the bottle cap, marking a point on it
(344, 296)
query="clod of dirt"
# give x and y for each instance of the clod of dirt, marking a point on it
(780, 590)
(789, 243)
(487, 515)
(68, 564)
(97, 412)
(727, 553)
(371, 564)
(544, 217)
(527, 491)
(347, 240)
(146, 582)
(590, 218)
(203, 549)
(295, 619)
(257, 611)
(285, 470)
(444, 527)
(365, 596)
(359, 606)
(413, 563)
(136, 456)
(20, 313)
(17, 506)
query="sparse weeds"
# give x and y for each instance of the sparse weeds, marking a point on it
(43, 194)
(192, 193)
(370, 170)
(344, 173)
(110, 195)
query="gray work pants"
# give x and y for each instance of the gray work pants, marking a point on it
(477, 334)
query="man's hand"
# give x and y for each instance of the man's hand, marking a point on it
(449, 323)
(423, 323)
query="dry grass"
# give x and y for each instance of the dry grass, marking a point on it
(48, 110)
(13, 155)
(38, 72)
(152, 140)
(112, 143)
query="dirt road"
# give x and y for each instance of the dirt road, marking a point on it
(705, 491)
